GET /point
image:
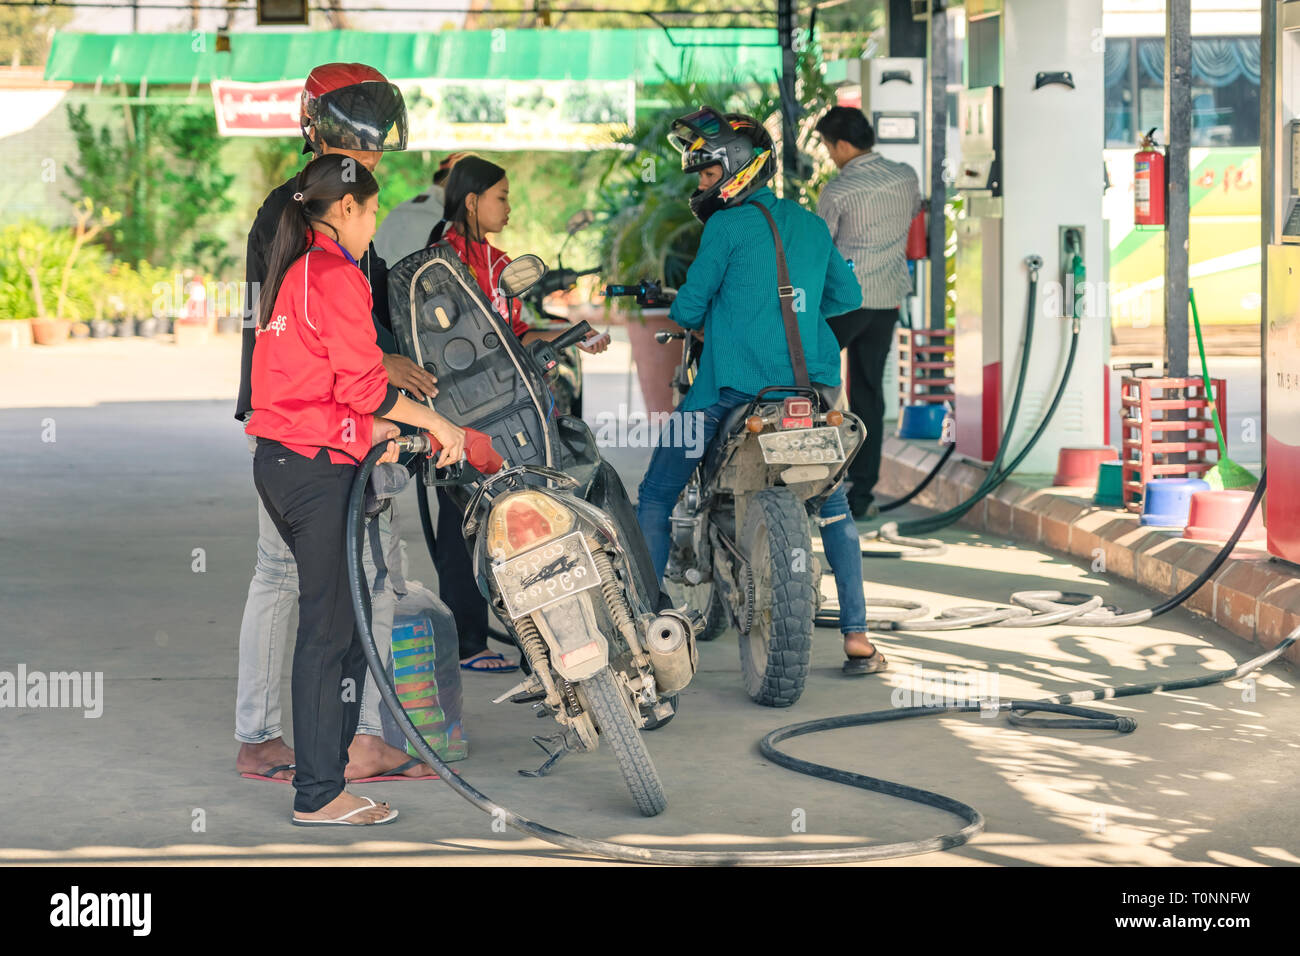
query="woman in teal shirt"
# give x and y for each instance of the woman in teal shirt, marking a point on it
(730, 295)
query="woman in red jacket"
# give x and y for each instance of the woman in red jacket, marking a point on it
(477, 204)
(321, 399)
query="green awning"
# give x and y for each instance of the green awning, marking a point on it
(184, 58)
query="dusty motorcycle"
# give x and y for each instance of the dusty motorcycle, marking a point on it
(553, 538)
(742, 551)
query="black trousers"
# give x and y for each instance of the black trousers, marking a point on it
(867, 335)
(456, 584)
(308, 499)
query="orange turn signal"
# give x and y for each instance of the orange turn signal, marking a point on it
(754, 423)
(834, 417)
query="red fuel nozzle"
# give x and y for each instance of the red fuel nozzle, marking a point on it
(478, 451)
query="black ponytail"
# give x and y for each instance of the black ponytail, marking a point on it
(471, 174)
(322, 183)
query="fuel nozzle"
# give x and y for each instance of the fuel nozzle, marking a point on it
(1075, 274)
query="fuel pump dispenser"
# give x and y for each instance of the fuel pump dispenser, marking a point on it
(1031, 176)
(1281, 369)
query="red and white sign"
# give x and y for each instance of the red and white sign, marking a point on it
(257, 109)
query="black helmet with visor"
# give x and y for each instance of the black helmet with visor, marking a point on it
(737, 143)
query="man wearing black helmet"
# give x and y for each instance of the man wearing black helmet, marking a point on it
(731, 297)
(347, 108)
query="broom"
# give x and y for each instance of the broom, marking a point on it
(1226, 473)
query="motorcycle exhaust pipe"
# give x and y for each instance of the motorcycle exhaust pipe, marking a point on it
(670, 642)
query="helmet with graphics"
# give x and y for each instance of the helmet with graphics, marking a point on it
(737, 143)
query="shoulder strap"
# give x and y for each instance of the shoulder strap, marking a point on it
(785, 292)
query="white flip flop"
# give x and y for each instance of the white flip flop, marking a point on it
(345, 822)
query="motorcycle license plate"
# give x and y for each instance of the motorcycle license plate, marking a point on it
(802, 446)
(544, 575)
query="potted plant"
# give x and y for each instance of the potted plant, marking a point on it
(37, 247)
(15, 293)
(150, 298)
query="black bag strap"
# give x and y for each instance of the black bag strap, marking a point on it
(785, 292)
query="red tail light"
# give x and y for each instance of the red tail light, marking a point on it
(525, 525)
(523, 521)
(798, 413)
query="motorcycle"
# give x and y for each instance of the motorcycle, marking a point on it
(566, 381)
(553, 538)
(741, 531)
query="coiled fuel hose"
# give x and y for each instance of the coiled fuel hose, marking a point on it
(1067, 705)
(1041, 608)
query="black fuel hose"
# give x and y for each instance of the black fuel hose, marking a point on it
(1065, 704)
(902, 535)
(925, 482)
(995, 476)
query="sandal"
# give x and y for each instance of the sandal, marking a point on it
(480, 657)
(396, 774)
(269, 774)
(345, 822)
(856, 666)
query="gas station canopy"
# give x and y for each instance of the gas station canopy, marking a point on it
(650, 56)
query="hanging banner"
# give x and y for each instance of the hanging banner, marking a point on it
(517, 114)
(257, 109)
(458, 114)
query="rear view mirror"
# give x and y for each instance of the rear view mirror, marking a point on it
(579, 221)
(521, 275)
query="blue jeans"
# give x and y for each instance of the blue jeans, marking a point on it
(670, 469)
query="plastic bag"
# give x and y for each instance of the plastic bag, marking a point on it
(426, 671)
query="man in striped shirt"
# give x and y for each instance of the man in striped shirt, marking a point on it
(868, 207)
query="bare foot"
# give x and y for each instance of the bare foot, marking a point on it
(259, 758)
(370, 756)
(857, 645)
(344, 803)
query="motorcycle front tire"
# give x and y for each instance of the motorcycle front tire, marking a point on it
(618, 732)
(777, 541)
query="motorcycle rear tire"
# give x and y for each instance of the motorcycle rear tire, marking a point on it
(774, 654)
(617, 730)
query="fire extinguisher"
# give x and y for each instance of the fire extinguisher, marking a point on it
(918, 238)
(1149, 183)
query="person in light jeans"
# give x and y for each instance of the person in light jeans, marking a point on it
(266, 632)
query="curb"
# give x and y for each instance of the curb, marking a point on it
(1251, 595)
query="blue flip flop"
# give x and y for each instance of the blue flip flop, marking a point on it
(472, 665)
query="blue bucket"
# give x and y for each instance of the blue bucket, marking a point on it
(922, 421)
(1166, 501)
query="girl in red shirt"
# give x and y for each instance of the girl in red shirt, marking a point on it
(321, 399)
(476, 204)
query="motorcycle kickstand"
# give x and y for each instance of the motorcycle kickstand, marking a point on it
(561, 746)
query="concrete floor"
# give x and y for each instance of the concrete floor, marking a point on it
(97, 541)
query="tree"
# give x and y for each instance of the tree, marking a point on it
(25, 33)
(162, 169)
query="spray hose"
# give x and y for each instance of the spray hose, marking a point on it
(1017, 711)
